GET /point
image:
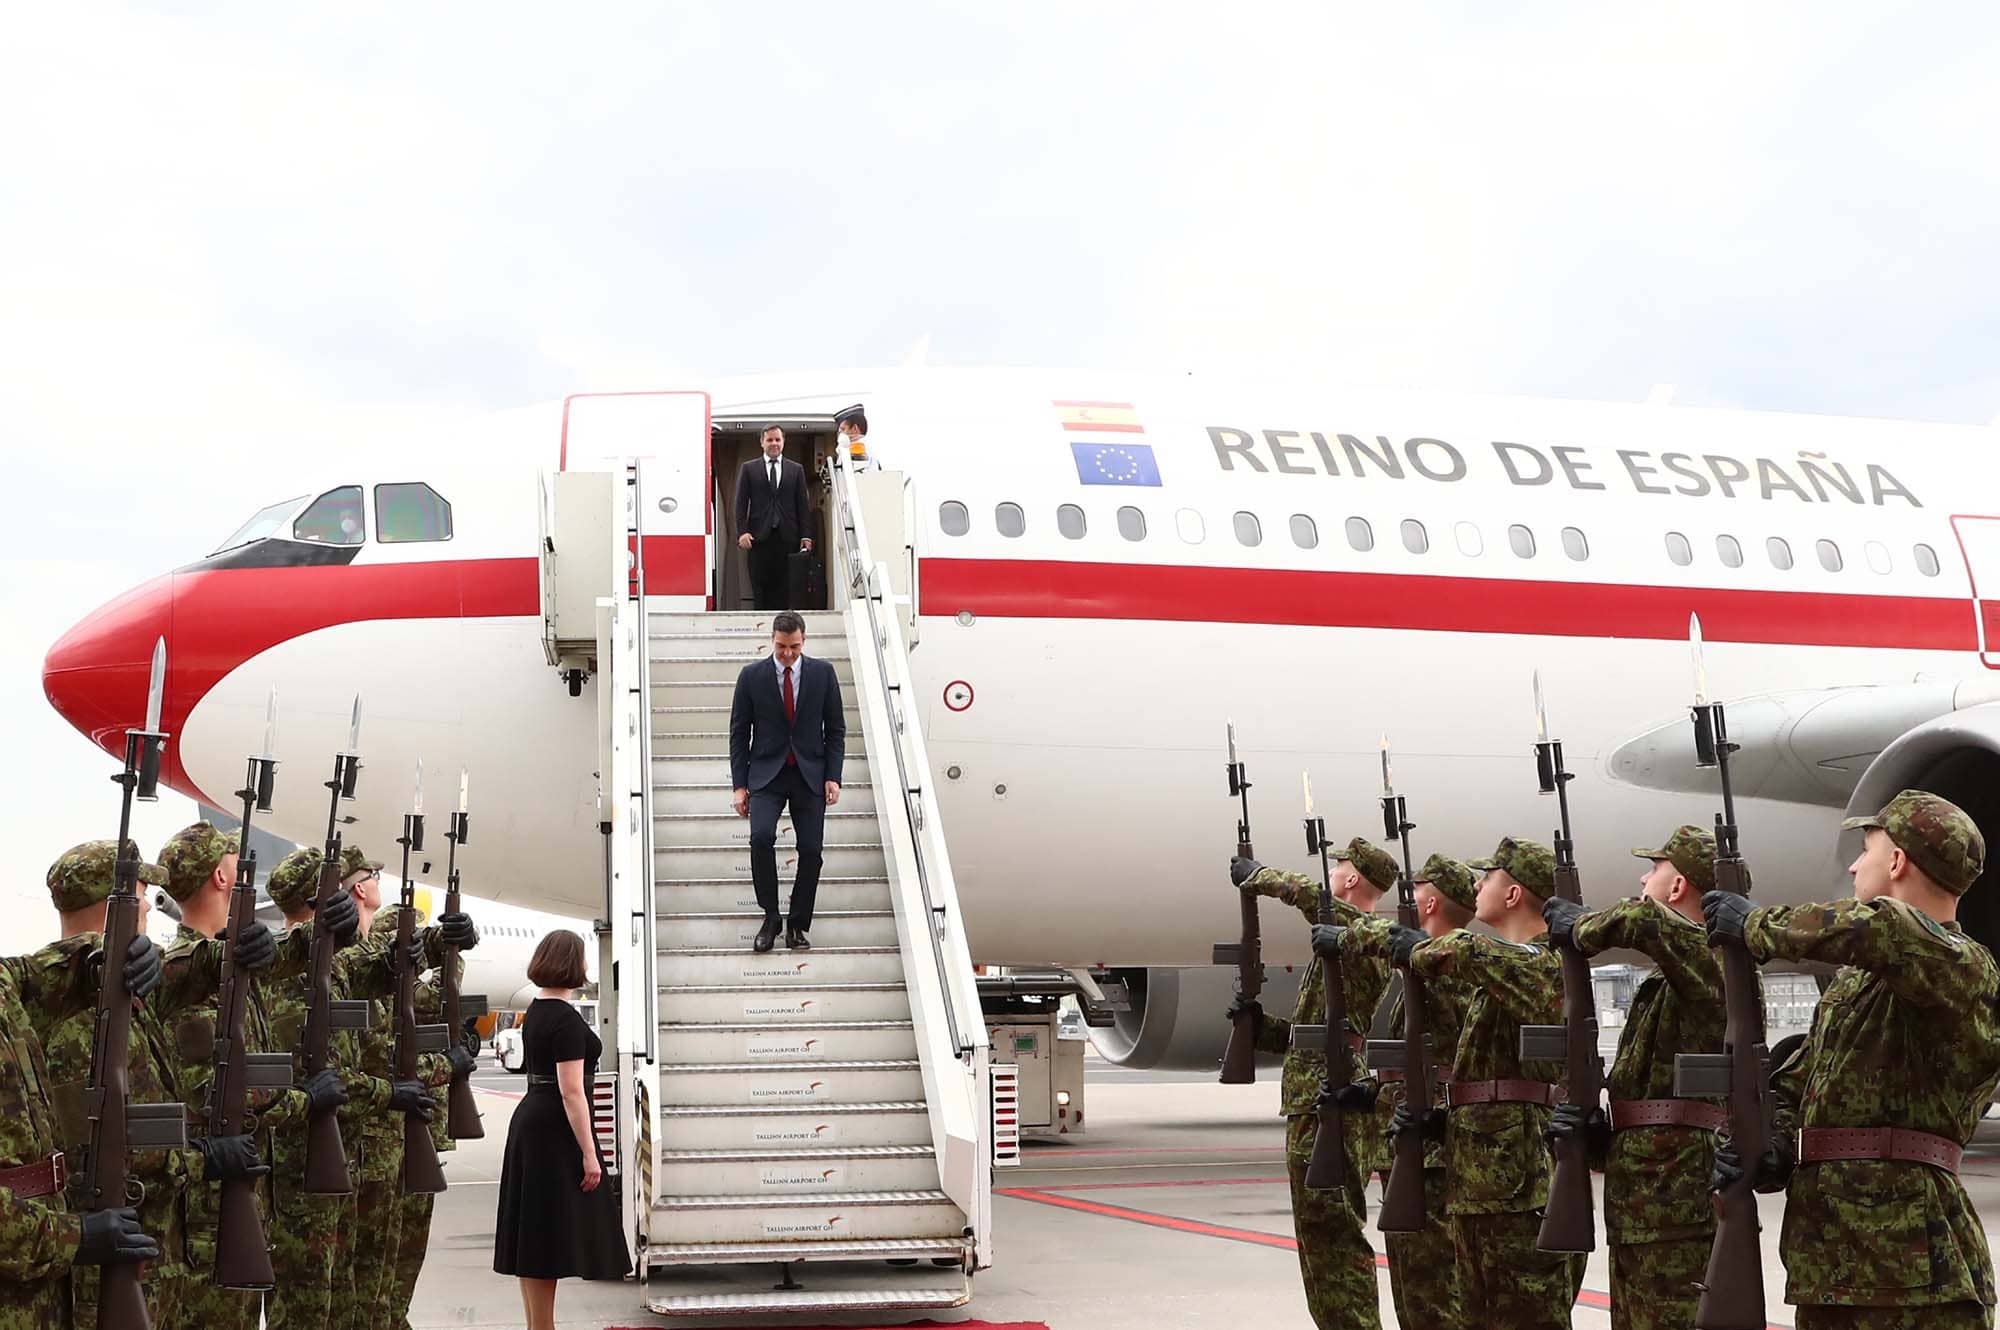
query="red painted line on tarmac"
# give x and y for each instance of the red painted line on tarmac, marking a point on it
(498, 1094)
(1054, 1151)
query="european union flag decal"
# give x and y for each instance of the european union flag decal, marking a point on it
(1115, 463)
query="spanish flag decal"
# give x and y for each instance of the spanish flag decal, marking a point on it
(1099, 417)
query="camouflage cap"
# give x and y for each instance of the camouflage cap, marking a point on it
(1529, 863)
(1940, 837)
(1453, 878)
(353, 861)
(1691, 850)
(1371, 861)
(296, 878)
(191, 854)
(85, 874)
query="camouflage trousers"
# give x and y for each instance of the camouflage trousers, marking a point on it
(1654, 1284)
(1505, 1280)
(413, 1240)
(1423, 1267)
(1955, 1316)
(202, 1304)
(366, 1275)
(35, 1303)
(304, 1236)
(1334, 1255)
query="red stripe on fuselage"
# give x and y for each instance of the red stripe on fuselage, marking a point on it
(1053, 589)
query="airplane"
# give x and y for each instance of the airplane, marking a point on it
(1108, 568)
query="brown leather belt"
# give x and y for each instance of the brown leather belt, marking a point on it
(1461, 1093)
(1629, 1113)
(1825, 1145)
(46, 1177)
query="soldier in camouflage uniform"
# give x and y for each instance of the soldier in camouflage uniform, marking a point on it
(40, 1241)
(1496, 1163)
(1423, 1266)
(1335, 1258)
(1657, 1152)
(200, 862)
(1905, 1047)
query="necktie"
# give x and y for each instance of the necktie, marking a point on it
(791, 714)
(774, 477)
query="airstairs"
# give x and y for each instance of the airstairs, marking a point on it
(799, 1131)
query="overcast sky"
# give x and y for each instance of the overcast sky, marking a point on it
(231, 235)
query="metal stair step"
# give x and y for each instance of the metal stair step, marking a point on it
(736, 895)
(733, 861)
(816, 1171)
(831, 928)
(672, 771)
(946, 1289)
(724, 827)
(884, 1249)
(738, 649)
(780, 968)
(719, 1083)
(703, 719)
(713, 743)
(712, 798)
(793, 1126)
(757, 1004)
(889, 1213)
(787, 1041)
(671, 670)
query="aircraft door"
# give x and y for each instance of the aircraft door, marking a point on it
(1979, 542)
(667, 435)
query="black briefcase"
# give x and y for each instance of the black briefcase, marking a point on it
(805, 585)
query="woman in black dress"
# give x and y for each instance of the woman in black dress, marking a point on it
(556, 1221)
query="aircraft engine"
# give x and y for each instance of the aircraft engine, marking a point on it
(1178, 1018)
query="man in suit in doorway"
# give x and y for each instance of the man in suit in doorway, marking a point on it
(787, 742)
(773, 518)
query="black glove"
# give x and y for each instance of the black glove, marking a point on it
(343, 918)
(1561, 916)
(1576, 1120)
(1240, 1004)
(463, 1063)
(1403, 941)
(256, 949)
(1774, 1167)
(1242, 868)
(1326, 940)
(1429, 1124)
(1724, 913)
(1358, 1096)
(456, 929)
(114, 1237)
(411, 1097)
(230, 1157)
(142, 966)
(324, 1092)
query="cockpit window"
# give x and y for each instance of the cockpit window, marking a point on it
(265, 522)
(335, 518)
(409, 512)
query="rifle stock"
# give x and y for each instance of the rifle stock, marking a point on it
(462, 1120)
(1732, 1296)
(1327, 1169)
(1569, 1224)
(326, 1154)
(1239, 1056)
(1403, 1201)
(423, 1174)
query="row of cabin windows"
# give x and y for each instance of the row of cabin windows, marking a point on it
(1010, 521)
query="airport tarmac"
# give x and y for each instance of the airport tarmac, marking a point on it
(1171, 1210)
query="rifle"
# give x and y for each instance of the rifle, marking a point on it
(1327, 1169)
(326, 1156)
(1569, 1224)
(117, 1126)
(422, 1173)
(462, 1115)
(1239, 1058)
(242, 1258)
(1732, 1292)
(1403, 1193)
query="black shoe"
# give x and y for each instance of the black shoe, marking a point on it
(796, 940)
(766, 935)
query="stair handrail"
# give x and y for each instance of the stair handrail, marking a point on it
(640, 635)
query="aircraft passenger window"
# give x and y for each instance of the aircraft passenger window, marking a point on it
(953, 519)
(410, 513)
(1360, 535)
(1069, 521)
(1780, 552)
(1574, 544)
(1008, 520)
(334, 519)
(1927, 563)
(1829, 556)
(1415, 539)
(1469, 542)
(1249, 531)
(1879, 561)
(1521, 540)
(1730, 550)
(1678, 549)
(1192, 529)
(1305, 533)
(1131, 523)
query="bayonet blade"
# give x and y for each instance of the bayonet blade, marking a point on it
(354, 728)
(156, 686)
(1700, 667)
(1541, 711)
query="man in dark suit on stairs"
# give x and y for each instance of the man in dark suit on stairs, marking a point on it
(773, 519)
(787, 742)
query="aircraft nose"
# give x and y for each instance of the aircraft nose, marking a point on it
(95, 675)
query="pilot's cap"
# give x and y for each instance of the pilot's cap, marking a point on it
(85, 874)
(1691, 850)
(296, 879)
(190, 856)
(852, 415)
(1371, 861)
(1453, 878)
(1938, 835)
(1529, 863)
